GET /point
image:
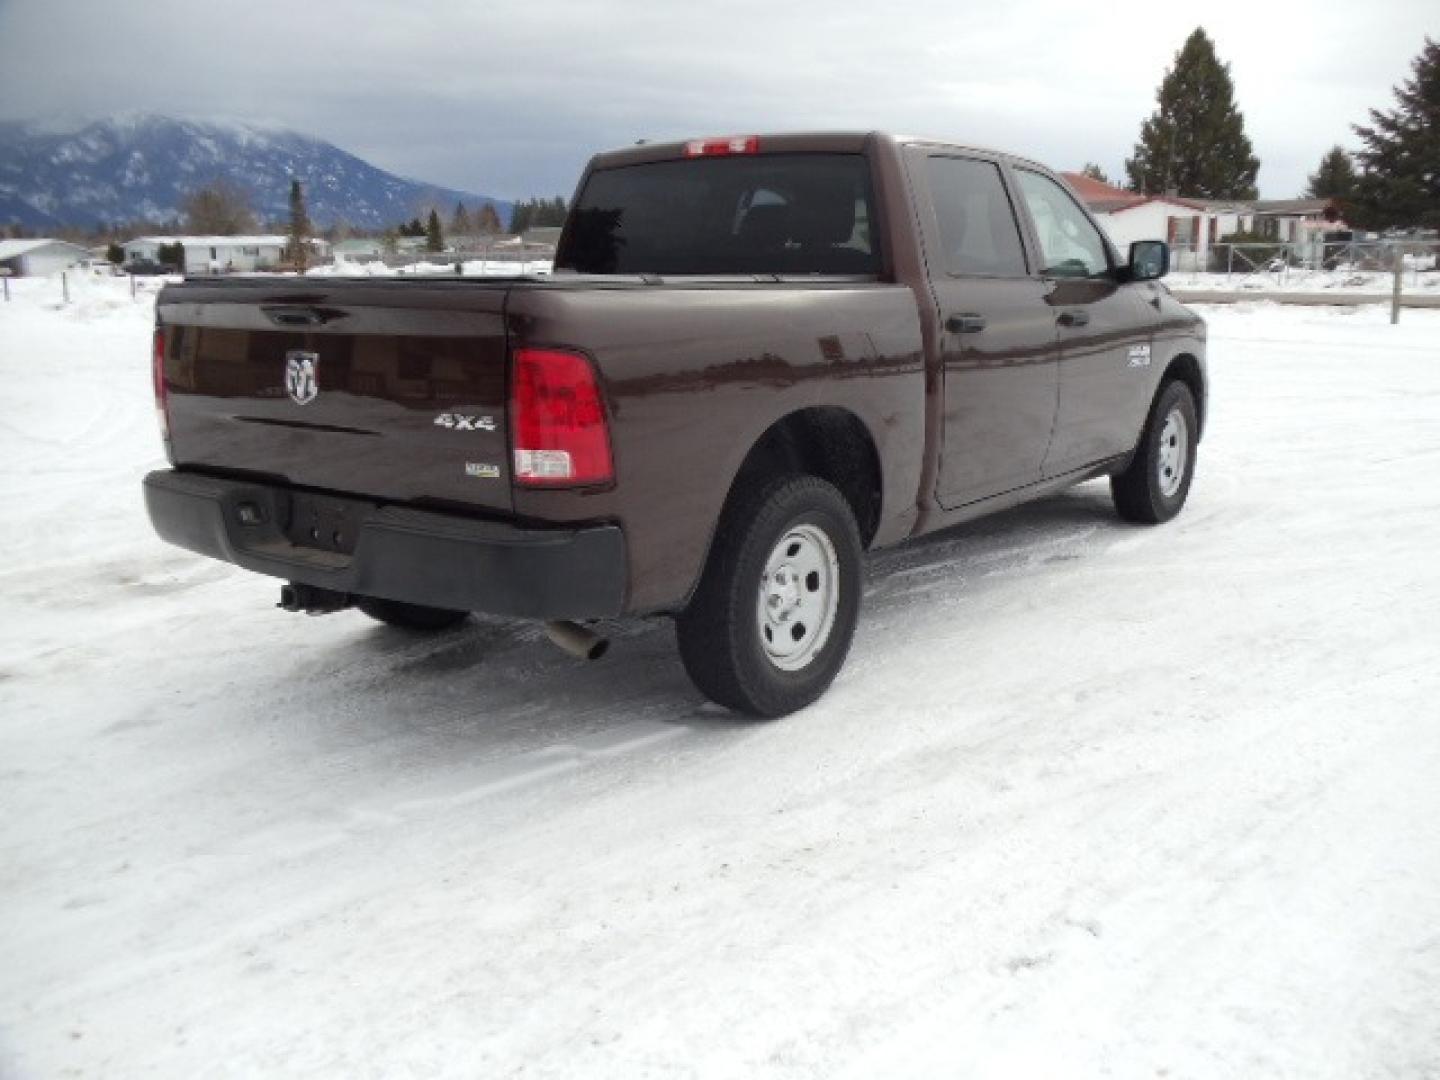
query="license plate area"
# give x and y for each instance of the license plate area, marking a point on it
(324, 522)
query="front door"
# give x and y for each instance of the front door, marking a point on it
(1105, 330)
(997, 338)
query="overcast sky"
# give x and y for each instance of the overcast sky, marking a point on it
(509, 99)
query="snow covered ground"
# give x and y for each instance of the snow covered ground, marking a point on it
(1089, 799)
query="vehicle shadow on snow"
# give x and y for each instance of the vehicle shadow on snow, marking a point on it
(1055, 529)
(507, 674)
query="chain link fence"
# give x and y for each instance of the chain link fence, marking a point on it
(1351, 264)
(1348, 271)
(473, 255)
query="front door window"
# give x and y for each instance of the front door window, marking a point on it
(1070, 244)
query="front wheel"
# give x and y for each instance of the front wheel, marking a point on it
(771, 621)
(1153, 489)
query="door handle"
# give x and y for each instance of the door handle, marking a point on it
(1074, 318)
(969, 323)
(300, 315)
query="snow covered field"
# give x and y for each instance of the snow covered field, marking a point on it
(1089, 799)
(1364, 275)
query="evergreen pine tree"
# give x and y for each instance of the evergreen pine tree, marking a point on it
(1399, 184)
(1334, 179)
(299, 243)
(489, 220)
(520, 216)
(434, 238)
(1195, 141)
(1094, 172)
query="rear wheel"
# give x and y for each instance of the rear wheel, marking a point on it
(410, 616)
(1153, 489)
(770, 624)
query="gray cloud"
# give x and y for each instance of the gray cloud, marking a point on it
(511, 98)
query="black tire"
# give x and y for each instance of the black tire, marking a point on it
(1140, 492)
(410, 616)
(719, 635)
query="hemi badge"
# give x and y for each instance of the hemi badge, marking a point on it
(482, 470)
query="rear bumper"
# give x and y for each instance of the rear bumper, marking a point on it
(416, 556)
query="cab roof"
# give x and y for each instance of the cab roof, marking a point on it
(840, 142)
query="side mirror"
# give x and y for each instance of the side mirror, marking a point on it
(1149, 260)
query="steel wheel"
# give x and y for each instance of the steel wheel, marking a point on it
(793, 539)
(1154, 485)
(1174, 450)
(799, 594)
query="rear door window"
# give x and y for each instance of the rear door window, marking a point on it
(746, 214)
(978, 230)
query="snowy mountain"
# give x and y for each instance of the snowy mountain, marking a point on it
(141, 167)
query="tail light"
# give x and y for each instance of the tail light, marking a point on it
(162, 394)
(557, 417)
(737, 144)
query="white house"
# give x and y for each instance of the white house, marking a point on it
(1296, 221)
(1193, 226)
(359, 249)
(221, 254)
(1188, 225)
(35, 258)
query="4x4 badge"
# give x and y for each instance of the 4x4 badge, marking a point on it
(465, 422)
(300, 378)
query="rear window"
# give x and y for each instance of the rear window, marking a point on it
(752, 214)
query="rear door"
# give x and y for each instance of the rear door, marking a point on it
(1105, 330)
(395, 391)
(997, 337)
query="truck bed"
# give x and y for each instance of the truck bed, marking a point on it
(412, 385)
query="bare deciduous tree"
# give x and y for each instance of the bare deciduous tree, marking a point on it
(220, 208)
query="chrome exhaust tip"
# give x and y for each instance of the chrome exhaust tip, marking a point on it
(579, 641)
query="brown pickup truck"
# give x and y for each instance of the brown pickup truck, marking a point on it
(757, 357)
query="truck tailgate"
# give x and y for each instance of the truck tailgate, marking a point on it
(393, 390)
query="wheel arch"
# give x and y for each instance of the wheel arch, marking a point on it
(828, 442)
(1185, 367)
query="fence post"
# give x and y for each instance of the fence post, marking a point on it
(1229, 264)
(1399, 279)
(5, 281)
(65, 284)
(132, 286)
